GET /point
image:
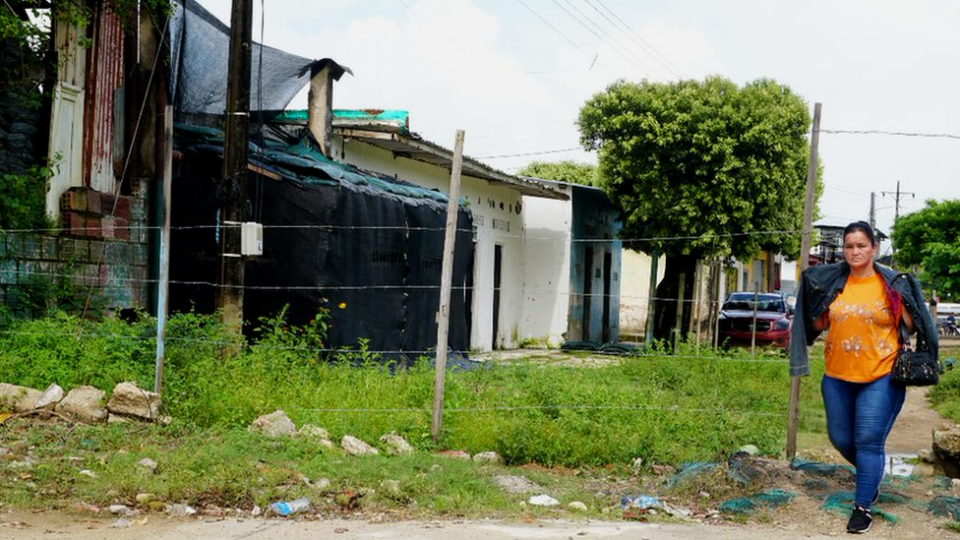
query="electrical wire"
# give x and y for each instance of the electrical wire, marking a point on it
(645, 45)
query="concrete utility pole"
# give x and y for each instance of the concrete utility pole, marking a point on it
(794, 414)
(873, 209)
(233, 185)
(897, 195)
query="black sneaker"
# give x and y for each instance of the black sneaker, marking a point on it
(860, 521)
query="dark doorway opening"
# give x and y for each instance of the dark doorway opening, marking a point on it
(497, 270)
(587, 291)
(607, 296)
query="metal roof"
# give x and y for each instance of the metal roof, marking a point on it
(389, 131)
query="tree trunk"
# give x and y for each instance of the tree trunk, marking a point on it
(667, 301)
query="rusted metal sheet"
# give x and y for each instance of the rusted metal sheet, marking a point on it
(104, 80)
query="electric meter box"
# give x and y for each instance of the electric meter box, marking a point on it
(251, 239)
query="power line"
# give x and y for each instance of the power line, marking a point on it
(890, 133)
(542, 152)
(613, 45)
(646, 46)
(561, 34)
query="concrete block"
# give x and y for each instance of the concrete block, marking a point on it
(75, 250)
(98, 252)
(49, 248)
(8, 272)
(30, 247)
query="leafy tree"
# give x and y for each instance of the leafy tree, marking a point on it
(702, 169)
(563, 171)
(930, 239)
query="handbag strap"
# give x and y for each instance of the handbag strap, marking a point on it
(903, 333)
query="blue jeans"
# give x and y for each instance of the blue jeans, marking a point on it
(859, 418)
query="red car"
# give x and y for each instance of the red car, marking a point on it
(770, 310)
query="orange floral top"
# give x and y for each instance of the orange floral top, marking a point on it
(862, 342)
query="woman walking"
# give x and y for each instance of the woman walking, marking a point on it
(862, 305)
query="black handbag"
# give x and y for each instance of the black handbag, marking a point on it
(917, 366)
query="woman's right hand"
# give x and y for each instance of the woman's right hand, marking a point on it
(822, 322)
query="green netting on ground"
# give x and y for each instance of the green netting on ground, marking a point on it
(842, 502)
(945, 505)
(769, 499)
(823, 469)
(692, 470)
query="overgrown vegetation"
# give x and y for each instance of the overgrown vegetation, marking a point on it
(665, 409)
(23, 198)
(946, 395)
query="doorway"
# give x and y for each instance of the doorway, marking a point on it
(607, 263)
(587, 291)
(497, 275)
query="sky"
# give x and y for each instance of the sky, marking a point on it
(513, 74)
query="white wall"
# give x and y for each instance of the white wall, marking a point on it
(546, 268)
(635, 292)
(498, 216)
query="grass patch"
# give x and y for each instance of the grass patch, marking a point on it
(578, 427)
(945, 396)
(662, 408)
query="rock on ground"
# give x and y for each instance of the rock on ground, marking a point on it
(356, 447)
(275, 424)
(50, 397)
(946, 449)
(84, 403)
(543, 500)
(315, 433)
(516, 484)
(19, 398)
(396, 445)
(488, 457)
(455, 454)
(131, 400)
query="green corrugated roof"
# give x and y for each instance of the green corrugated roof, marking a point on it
(389, 115)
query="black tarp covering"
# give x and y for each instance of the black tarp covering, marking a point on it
(200, 51)
(367, 248)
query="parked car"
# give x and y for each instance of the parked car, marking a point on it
(773, 319)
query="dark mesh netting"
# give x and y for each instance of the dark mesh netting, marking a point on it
(200, 49)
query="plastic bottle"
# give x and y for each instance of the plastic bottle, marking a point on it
(286, 508)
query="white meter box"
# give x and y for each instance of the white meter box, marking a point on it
(251, 238)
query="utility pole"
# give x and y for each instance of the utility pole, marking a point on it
(446, 282)
(794, 414)
(897, 195)
(233, 185)
(873, 209)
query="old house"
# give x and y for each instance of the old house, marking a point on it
(97, 133)
(495, 289)
(572, 267)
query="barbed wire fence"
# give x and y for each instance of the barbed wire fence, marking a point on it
(84, 283)
(33, 258)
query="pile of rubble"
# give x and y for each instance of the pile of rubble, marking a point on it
(85, 404)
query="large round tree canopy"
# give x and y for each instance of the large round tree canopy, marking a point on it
(703, 168)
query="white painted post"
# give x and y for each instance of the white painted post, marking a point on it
(163, 285)
(446, 279)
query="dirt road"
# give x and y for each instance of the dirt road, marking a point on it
(48, 526)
